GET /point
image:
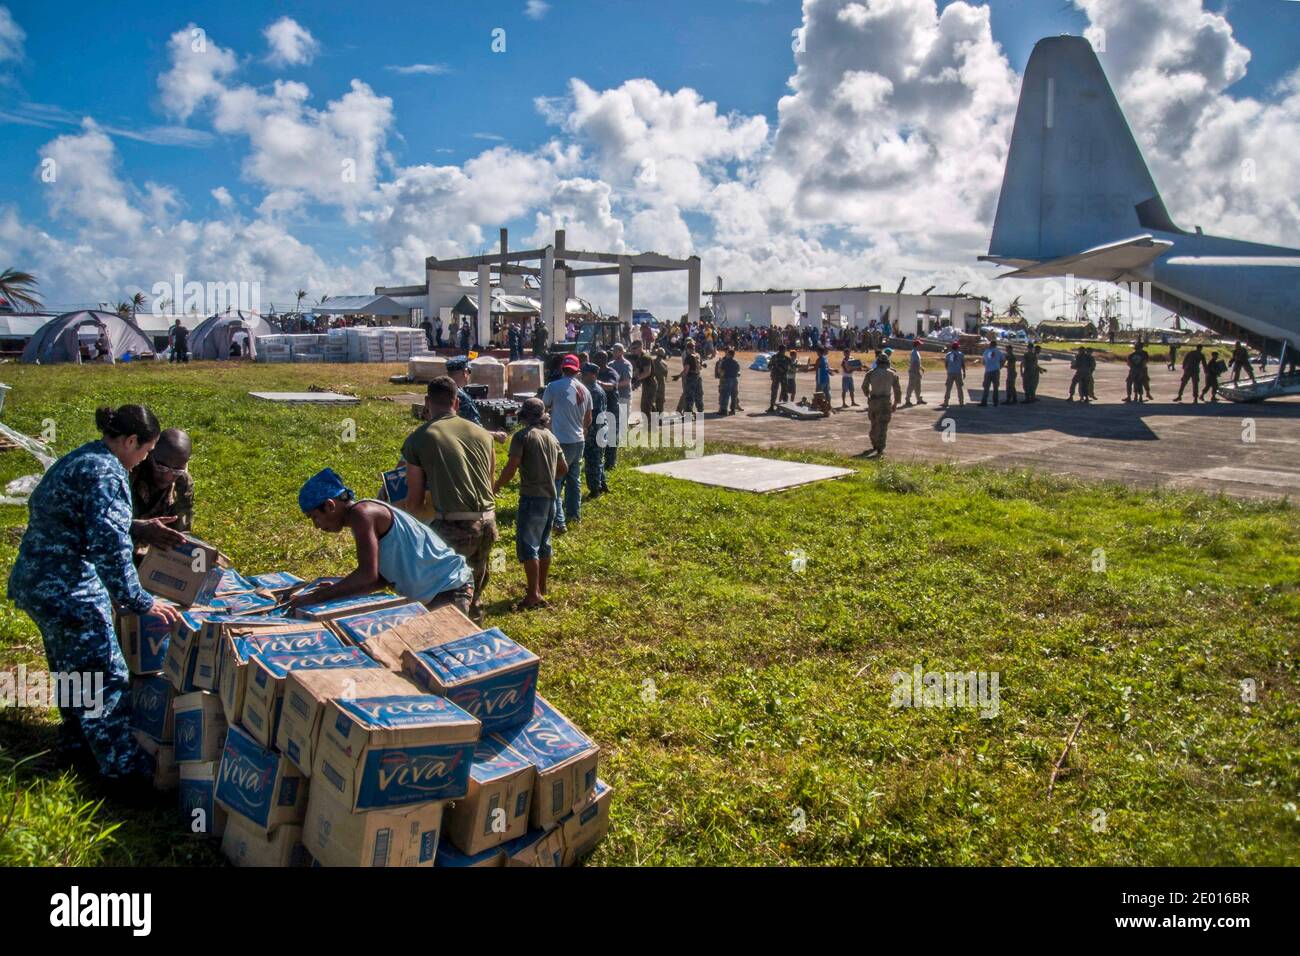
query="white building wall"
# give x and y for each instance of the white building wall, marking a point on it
(852, 304)
(739, 309)
(860, 307)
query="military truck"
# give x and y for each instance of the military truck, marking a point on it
(594, 335)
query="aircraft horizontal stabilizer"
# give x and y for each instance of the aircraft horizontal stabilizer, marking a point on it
(1114, 262)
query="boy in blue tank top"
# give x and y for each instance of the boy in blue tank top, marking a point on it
(393, 549)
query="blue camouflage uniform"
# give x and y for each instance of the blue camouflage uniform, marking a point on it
(593, 453)
(74, 560)
(469, 407)
(610, 375)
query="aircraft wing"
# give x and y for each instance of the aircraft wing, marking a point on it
(1113, 262)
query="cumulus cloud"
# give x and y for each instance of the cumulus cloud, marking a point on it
(536, 9)
(331, 155)
(291, 44)
(85, 187)
(198, 68)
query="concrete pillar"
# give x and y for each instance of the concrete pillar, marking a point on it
(624, 290)
(548, 292)
(560, 286)
(484, 305)
(693, 290)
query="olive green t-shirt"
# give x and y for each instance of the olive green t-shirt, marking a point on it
(538, 451)
(458, 461)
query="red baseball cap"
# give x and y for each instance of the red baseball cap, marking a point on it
(570, 363)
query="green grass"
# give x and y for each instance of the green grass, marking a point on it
(733, 697)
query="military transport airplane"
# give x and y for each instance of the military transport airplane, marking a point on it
(1077, 199)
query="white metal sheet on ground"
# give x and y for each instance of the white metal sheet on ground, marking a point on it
(308, 398)
(743, 473)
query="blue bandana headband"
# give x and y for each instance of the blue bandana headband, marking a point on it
(320, 488)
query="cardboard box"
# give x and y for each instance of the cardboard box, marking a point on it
(419, 633)
(236, 650)
(144, 639)
(495, 810)
(151, 708)
(380, 752)
(166, 771)
(357, 629)
(328, 610)
(264, 692)
(243, 602)
(451, 858)
(245, 845)
(586, 828)
(537, 848)
(306, 693)
(200, 727)
(277, 583)
(187, 574)
(425, 368)
(394, 484)
(199, 811)
(182, 654)
(259, 785)
(232, 582)
(215, 629)
(565, 759)
(486, 674)
(401, 836)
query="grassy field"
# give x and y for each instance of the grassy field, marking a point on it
(743, 706)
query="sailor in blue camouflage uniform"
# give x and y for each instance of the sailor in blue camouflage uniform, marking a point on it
(593, 452)
(74, 561)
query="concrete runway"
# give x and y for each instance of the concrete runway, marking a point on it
(1160, 443)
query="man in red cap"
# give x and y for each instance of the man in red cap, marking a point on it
(914, 375)
(569, 404)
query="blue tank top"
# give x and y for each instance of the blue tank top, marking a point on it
(416, 562)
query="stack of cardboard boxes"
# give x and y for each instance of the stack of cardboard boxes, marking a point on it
(272, 348)
(362, 732)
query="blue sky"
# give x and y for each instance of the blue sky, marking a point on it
(104, 61)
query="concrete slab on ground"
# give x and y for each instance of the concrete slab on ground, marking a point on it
(746, 473)
(308, 398)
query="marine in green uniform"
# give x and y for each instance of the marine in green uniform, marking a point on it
(661, 378)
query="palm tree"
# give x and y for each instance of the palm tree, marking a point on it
(137, 301)
(19, 289)
(1083, 298)
(1014, 308)
(301, 294)
(124, 309)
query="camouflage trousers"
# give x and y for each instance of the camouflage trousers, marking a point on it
(462, 598)
(649, 392)
(473, 541)
(879, 411)
(82, 641)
